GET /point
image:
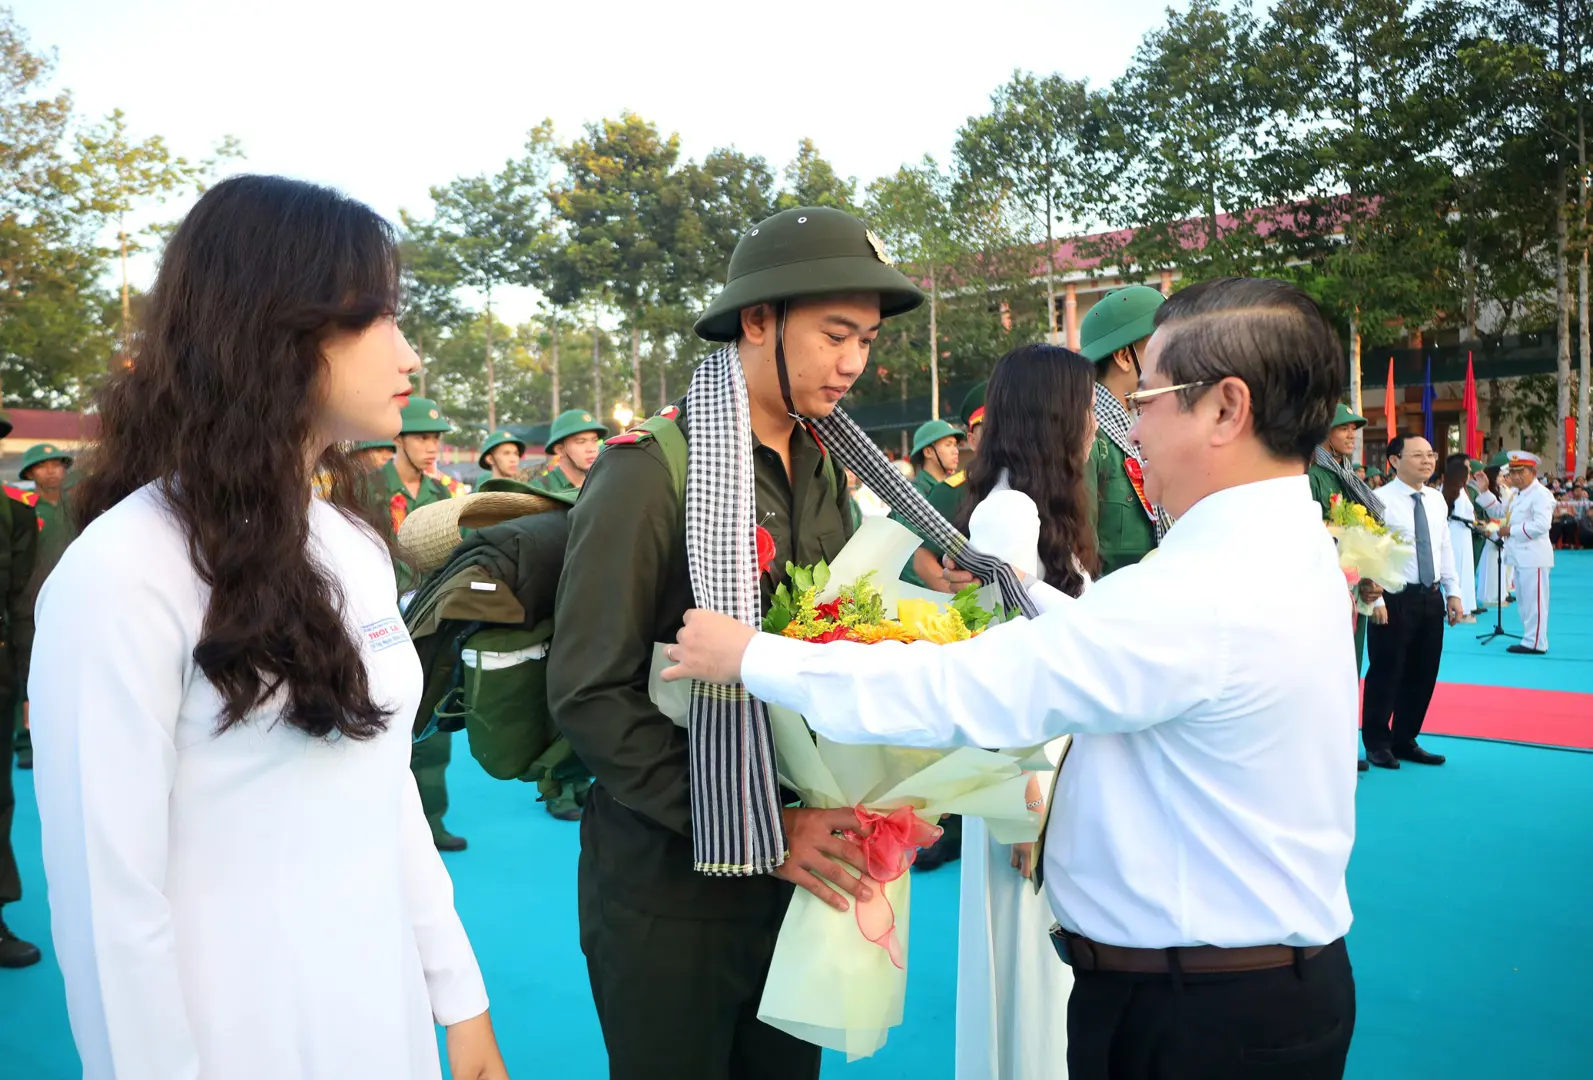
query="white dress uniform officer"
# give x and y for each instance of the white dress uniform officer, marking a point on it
(1528, 549)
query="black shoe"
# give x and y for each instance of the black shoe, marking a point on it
(1361, 766)
(1383, 759)
(947, 849)
(1522, 650)
(16, 953)
(447, 841)
(1510, 599)
(1417, 755)
(25, 758)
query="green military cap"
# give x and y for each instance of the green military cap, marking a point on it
(809, 251)
(42, 452)
(1501, 460)
(973, 406)
(499, 483)
(574, 422)
(1476, 464)
(374, 444)
(931, 433)
(495, 440)
(1342, 415)
(1119, 319)
(422, 417)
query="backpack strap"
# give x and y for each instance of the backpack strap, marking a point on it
(672, 441)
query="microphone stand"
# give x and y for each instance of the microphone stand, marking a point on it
(1498, 630)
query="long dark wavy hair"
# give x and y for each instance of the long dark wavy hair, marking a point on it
(1036, 409)
(1457, 473)
(217, 409)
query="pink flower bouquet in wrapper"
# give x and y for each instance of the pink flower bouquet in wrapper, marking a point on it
(839, 979)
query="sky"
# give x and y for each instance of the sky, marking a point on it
(385, 98)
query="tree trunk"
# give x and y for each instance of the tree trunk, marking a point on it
(1581, 298)
(663, 379)
(597, 371)
(127, 301)
(934, 347)
(492, 387)
(1355, 383)
(1562, 300)
(1050, 275)
(906, 444)
(420, 354)
(555, 415)
(636, 364)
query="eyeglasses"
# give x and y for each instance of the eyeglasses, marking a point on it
(1136, 401)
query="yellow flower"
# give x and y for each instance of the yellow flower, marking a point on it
(930, 623)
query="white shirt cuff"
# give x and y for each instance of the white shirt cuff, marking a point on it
(771, 670)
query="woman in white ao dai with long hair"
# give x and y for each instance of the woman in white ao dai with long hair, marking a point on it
(1026, 503)
(242, 882)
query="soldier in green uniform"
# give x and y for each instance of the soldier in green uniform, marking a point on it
(678, 934)
(1113, 336)
(1331, 475)
(934, 456)
(374, 453)
(946, 496)
(404, 484)
(19, 527)
(46, 466)
(500, 455)
(575, 439)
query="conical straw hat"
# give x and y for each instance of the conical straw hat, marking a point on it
(430, 533)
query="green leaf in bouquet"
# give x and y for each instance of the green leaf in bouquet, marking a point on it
(966, 604)
(821, 575)
(777, 620)
(802, 578)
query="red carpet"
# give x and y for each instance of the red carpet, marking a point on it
(1545, 717)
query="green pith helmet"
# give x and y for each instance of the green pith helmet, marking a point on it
(5, 425)
(1476, 465)
(973, 407)
(375, 444)
(573, 422)
(1119, 319)
(495, 440)
(808, 251)
(33, 455)
(422, 417)
(930, 433)
(1342, 415)
(1501, 460)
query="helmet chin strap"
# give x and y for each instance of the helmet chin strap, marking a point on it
(779, 363)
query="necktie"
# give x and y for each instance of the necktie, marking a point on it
(1424, 545)
(1045, 822)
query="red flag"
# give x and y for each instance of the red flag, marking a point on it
(1473, 420)
(1570, 446)
(1389, 417)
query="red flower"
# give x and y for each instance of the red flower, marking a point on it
(765, 550)
(831, 611)
(836, 633)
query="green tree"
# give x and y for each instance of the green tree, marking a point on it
(810, 180)
(495, 229)
(1033, 154)
(125, 174)
(432, 276)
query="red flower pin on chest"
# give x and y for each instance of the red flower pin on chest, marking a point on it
(1136, 478)
(765, 549)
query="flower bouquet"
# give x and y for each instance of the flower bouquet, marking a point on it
(1367, 549)
(839, 980)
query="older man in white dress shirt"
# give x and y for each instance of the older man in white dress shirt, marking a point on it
(1406, 638)
(1204, 817)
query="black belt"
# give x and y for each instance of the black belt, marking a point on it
(1078, 951)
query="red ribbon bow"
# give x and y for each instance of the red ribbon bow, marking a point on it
(889, 849)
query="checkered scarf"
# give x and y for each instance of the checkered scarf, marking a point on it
(735, 792)
(1353, 485)
(1115, 423)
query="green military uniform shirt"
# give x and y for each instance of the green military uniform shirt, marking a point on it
(1325, 483)
(554, 480)
(925, 484)
(626, 586)
(387, 486)
(56, 531)
(1124, 532)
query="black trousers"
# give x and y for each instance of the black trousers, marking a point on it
(1291, 1023)
(1402, 667)
(10, 879)
(678, 996)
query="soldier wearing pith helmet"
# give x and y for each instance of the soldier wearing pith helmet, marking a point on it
(935, 456)
(689, 849)
(1113, 336)
(406, 483)
(575, 439)
(500, 455)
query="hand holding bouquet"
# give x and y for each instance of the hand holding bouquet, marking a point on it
(1367, 548)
